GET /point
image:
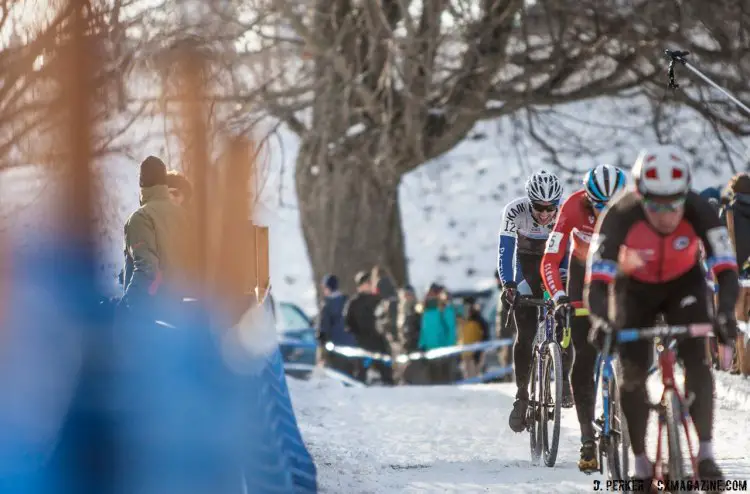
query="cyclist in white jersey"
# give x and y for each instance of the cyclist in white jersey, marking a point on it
(527, 222)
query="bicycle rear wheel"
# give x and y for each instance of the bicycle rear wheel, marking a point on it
(551, 409)
(618, 447)
(533, 411)
(675, 464)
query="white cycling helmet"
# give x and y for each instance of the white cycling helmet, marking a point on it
(544, 186)
(662, 171)
(603, 182)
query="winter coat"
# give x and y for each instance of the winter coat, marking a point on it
(738, 215)
(438, 328)
(359, 317)
(409, 325)
(156, 248)
(331, 325)
(386, 313)
(473, 330)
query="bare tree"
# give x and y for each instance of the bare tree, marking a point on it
(30, 101)
(376, 88)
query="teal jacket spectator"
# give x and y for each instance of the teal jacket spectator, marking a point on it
(438, 328)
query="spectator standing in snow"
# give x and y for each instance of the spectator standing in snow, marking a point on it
(386, 312)
(438, 330)
(331, 327)
(737, 201)
(473, 329)
(409, 322)
(156, 249)
(359, 317)
(409, 318)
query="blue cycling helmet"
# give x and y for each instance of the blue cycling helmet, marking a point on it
(601, 183)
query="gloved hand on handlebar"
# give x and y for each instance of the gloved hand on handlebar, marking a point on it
(725, 328)
(562, 306)
(600, 329)
(509, 292)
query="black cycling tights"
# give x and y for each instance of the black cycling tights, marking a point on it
(582, 375)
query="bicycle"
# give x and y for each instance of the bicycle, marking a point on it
(546, 367)
(672, 407)
(611, 429)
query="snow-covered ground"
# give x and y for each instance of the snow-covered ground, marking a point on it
(456, 439)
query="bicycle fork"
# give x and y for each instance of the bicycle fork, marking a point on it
(667, 361)
(603, 425)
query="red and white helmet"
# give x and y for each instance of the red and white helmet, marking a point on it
(662, 171)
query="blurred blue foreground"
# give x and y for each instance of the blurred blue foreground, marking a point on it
(96, 399)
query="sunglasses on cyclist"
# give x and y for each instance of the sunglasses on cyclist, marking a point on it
(544, 208)
(664, 206)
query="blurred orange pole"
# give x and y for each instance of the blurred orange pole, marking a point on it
(76, 76)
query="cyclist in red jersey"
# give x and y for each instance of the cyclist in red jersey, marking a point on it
(647, 244)
(575, 223)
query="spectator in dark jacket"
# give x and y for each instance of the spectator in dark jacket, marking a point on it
(331, 327)
(409, 319)
(409, 323)
(359, 317)
(737, 200)
(386, 312)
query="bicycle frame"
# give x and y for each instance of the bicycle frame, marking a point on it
(667, 358)
(606, 376)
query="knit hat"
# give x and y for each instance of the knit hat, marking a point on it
(153, 172)
(331, 282)
(362, 277)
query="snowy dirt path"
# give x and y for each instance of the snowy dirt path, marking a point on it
(456, 439)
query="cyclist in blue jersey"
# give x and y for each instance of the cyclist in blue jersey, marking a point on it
(527, 222)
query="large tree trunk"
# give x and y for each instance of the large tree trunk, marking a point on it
(350, 221)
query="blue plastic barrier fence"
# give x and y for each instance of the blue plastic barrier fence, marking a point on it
(438, 353)
(136, 407)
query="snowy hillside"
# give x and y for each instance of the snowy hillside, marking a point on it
(456, 439)
(450, 206)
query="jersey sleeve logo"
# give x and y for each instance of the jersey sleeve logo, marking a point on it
(553, 243)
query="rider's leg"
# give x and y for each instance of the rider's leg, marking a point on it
(635, 360)
(582, 374)
(688, 305)
(526, 322)
(525, 319)
(636, 305)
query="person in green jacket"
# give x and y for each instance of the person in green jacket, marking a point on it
(438, 330)
(156, 250)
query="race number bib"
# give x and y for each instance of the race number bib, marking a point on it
(553, 243)
(721, 244)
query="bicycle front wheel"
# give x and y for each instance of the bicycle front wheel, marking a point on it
(533, 411)
(552, 389)
(618, 446)
(675, 464)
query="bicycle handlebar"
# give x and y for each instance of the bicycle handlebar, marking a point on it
(691, 330)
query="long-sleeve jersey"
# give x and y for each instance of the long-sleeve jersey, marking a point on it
(520, 234)
(575, 223)
(667, 257)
